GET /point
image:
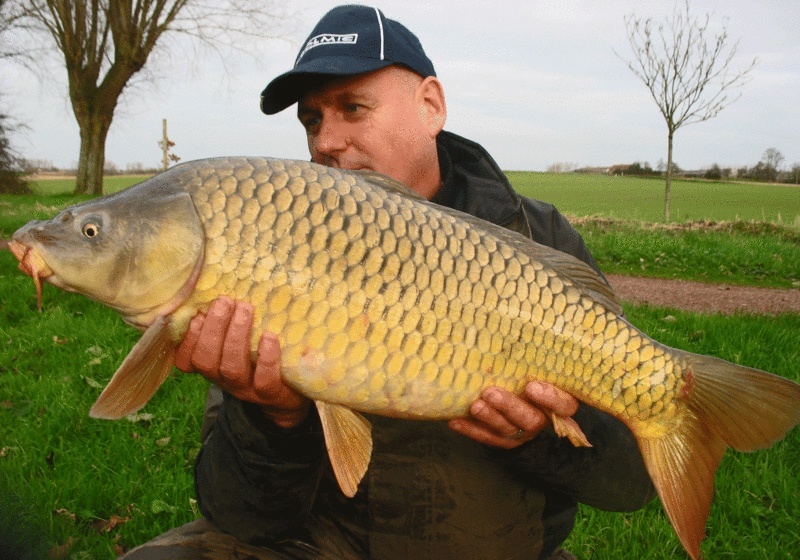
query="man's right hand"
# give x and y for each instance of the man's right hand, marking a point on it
(217, 345)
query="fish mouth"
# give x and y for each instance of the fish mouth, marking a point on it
(32, 264)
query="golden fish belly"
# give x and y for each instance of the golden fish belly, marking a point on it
(385, 304)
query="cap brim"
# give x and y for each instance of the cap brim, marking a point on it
(288, 88)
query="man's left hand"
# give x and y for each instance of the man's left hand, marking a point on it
(505, 420)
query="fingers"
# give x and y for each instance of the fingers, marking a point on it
(497, 418)
(505, 420)
(552, 398)
(183, 354)
(234, 365)
(217, 344)
(268, 368)
(208, 350)
(280, 403)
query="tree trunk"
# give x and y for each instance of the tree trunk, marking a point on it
(668, 189)
(93, 130)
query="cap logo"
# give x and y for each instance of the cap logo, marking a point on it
(328, 39)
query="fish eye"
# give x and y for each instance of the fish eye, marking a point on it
(90, 229)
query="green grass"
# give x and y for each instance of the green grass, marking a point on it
(111, 184)
(67, 473)
(744, 253)
(736, 233)
(637, 198)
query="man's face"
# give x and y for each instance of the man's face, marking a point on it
(382, 121)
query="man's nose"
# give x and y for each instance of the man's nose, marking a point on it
(329, 140)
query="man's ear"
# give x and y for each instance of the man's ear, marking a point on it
(433, 108)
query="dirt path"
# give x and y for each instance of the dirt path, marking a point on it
(705, 298)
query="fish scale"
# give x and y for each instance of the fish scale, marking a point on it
(384, 302)
(322, 265)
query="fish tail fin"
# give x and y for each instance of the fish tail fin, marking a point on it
(726, 405)
(144, 369)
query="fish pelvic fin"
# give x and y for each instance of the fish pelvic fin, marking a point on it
(140, 375)
(348, 438)
(565, 426)
(727, 405)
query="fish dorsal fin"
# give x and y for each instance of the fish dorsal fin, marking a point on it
(389, 184)
(583, 276)
(348, 438)
(140, 375)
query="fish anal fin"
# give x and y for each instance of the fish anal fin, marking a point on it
(140, 375)
(565, 426)
(348, 438)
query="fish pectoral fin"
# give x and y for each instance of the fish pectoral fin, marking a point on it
(142, 372)
(565, 426)
(348, 438)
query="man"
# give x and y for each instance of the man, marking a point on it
(368, 98)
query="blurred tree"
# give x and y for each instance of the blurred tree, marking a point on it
(794, 174)
(637, 168)
(772, 159)
(11, 178)
(686, 67)
(104, 43)
(713, 172)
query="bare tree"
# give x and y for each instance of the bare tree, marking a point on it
(104, 43)
(11, 176)
(686, 67)
(11, 179)
(9, 49)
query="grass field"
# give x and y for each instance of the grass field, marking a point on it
(111, 184)
(743, 253)
(83, 489)
(642, 199)
(73, 479)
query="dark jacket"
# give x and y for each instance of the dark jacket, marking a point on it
(429, 492)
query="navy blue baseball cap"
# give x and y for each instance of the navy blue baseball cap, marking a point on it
(348, 40)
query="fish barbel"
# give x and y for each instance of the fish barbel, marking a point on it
(384, 302)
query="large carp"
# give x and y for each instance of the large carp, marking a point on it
(386, 303)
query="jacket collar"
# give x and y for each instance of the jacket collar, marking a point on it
(472, 182)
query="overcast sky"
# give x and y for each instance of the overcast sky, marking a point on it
(535, 82)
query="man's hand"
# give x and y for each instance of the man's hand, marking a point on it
(217, 346)
(505, 420)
